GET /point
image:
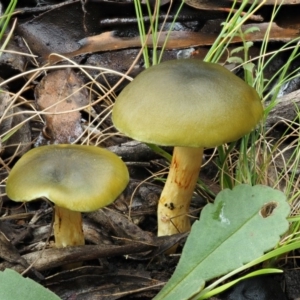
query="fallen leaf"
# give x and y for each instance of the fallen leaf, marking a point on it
(107, 41)
(60, 95)
(14, 127)
(221, 6)
(273, 2)
(20, 141)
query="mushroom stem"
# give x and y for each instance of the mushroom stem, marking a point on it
(67, 228)
(174, 203)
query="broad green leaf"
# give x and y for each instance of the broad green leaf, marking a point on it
(14, 286)
(275, 253)
(239, 227)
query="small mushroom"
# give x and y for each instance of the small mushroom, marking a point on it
(188, 104)
(75, 178)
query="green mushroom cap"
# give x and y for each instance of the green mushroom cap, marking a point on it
(79, 178)
(188, 103)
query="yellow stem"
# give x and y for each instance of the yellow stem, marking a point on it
(174, 203)
(67, 228)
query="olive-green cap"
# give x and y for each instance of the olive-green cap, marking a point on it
(76, 177)
(187, 103)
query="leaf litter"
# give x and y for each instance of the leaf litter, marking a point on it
(61, 97)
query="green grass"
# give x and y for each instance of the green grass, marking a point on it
(4, 21)
(152, 32)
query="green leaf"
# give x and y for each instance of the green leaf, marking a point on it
(235, 60)
(239, 227)
(251, 29)
(237, 49)
(248, 45)
(14, 286)
(249, 67)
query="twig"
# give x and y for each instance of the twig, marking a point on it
(44, 8)
(285, 108)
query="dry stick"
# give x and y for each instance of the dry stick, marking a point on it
(51, 258)
(11, 255)
(285, 108)
(134, 151)
(31, 265)
(43, 8)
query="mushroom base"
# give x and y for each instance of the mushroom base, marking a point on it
(67, 228)
(174, 203)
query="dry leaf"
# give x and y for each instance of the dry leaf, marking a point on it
(14, 128)
(176, 40)
(61, 94)
(20, 141)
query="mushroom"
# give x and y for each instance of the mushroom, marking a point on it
(75, 178)
(188, 104)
